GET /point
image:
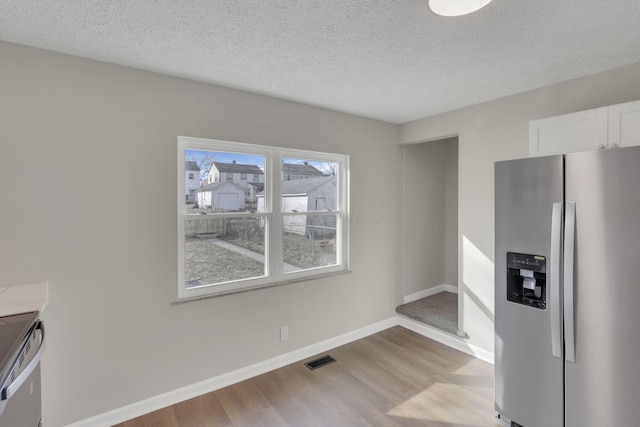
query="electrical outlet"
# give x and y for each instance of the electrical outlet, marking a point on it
(284, 333)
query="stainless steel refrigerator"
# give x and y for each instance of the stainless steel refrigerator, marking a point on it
(567, 293)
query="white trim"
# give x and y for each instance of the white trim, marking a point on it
(137, 409)
(404, 222)
(431, 291)
(271, 285)
(446, 339)
(273, 262)
(146, 406)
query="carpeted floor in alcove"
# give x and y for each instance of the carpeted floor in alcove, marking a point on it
(439, 310)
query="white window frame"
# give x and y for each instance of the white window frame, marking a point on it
(274, 266)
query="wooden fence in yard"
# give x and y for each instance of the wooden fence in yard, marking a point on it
(205, 225)
(202, 225)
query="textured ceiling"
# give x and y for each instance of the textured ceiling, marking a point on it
(391, 60)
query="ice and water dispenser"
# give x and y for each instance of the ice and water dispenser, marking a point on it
(527, 280)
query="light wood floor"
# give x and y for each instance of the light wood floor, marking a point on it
(392, 378)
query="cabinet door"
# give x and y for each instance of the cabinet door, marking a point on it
(581, 131)
(624, 124)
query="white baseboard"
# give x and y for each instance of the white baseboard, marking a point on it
(161, 401)
(175, 396)
(447, 339)
(431, 291)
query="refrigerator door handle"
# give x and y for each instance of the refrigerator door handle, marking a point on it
(554, 273)
(569, 252)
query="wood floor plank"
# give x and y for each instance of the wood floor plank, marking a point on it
(285, 398)
(164, 417)
(202, 411)
(243, 402)
(395, 378)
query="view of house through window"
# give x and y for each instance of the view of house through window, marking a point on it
(289, 221)
(309, 187)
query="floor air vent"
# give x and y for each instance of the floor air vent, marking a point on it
(318, 363)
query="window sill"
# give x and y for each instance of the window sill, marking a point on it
(269, 285)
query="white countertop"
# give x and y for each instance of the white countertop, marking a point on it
(23, 298)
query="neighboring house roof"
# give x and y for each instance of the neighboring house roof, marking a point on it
(304, 169)
(216, 185)
(237, 168)
(259, 186)
(303, 186)
(191, 166)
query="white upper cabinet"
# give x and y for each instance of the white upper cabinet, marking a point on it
(581, 131)
(624, 124)
(597, 129)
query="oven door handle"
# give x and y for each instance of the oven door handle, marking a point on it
(10, 390)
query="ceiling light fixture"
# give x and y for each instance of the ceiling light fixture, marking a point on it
(456, 7)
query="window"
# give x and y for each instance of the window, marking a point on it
(229, 176)
(287, 230)
(190, 176)
(256, 177)
(243, 176)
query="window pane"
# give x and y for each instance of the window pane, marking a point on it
(309, 241)
(229, 215)
(222, 181)
(220, 250)
(309, 185)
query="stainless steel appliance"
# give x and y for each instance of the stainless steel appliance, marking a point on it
(567, 294)
(21, 347)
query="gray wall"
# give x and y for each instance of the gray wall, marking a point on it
(430, 215)
(493, 131)
(451, 214)
(96, 216)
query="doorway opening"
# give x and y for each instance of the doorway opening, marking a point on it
(430, 261)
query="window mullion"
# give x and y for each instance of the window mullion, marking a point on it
(276, 258)
(308, 254)
(342, 234)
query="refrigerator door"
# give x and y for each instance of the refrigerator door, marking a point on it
(528, 377)
(603, 385)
